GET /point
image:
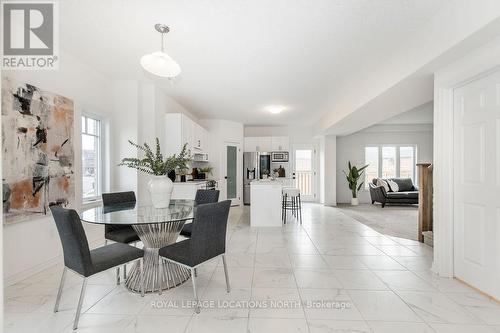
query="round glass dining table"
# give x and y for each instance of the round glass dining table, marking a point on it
(156, 228)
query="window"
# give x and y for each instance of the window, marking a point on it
(407, 162)
(390, 161)
(91, 158)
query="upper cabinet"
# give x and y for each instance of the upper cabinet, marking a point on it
(181, 129)
(280, 143)
(251, 144)
(267, 143)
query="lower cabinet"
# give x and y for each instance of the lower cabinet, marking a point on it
(187, 190)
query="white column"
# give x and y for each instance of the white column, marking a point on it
(330, 171)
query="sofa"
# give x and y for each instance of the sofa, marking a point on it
(407, 193)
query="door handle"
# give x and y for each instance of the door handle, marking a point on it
(225, 177)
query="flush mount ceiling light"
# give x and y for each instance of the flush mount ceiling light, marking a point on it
(159, 63)
(275, 109)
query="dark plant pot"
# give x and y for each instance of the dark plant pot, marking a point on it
(171, 175)
(202, 176)
(183, 178)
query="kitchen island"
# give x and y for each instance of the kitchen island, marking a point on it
(187, 190)
(265, 204)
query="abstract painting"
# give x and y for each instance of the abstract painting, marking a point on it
(37, 151)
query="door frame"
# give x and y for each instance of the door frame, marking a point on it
(480, 63)
(239, 172)
(315, 165)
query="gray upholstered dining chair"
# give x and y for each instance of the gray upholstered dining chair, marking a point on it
(83, 261)
(119, 233)
(207, 241)
(201, 197)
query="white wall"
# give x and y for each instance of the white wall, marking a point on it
(330, 169)
(31, 245)
(123, 127)
(352, 148)
(222, 132)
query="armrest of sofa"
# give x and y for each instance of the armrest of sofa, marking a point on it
(378, 193)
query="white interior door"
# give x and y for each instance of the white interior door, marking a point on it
(232, 182)
(304, 171)
(477, 183)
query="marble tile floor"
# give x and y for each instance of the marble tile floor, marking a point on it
(332, 274)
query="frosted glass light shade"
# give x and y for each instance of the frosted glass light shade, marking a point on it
(160, 64)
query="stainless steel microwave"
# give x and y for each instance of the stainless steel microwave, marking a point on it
(279, 156)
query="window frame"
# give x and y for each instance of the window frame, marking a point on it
(398, 161)
(100, 154)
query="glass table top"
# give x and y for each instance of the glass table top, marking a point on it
(137, 213)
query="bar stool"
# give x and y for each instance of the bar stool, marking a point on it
(291, 202)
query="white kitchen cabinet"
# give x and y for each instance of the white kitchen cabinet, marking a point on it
(251, 144)
(187, 190)
(179, 130)
(280, 143)
(265, 143)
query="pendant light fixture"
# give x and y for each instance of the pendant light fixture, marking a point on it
(159, 63)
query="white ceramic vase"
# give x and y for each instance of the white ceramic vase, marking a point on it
(354, 201)
(160, 189)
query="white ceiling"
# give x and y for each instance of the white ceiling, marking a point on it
(238, 56)
(423, 114)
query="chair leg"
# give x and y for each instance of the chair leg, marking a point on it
(118, 275)
(228, 287)
(286, 203)
(105, 242)
(80, 302)
(195, 272)
(141, 266)
(59, 292)
(283, 211)
(300, 209)
(295, 206)
(125, 272)
(193, 279)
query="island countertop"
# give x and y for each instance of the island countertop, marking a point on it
(265, 203)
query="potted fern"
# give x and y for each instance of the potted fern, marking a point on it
(352, 179)
(160, 186)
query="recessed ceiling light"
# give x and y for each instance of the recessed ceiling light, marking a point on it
(275, 109)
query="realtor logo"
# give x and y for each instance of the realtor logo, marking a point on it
(30, 35)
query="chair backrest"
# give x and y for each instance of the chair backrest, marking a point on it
(208, 238)
(118, 197)
(74, 241)
(206, 196)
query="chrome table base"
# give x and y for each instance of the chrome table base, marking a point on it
(158, 274)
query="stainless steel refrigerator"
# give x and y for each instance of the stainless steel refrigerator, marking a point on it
(255, 164)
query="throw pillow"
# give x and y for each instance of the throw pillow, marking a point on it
(393, 185)
(381, 182)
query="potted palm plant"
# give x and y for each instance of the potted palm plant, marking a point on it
(352, 179)
(159, 186)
